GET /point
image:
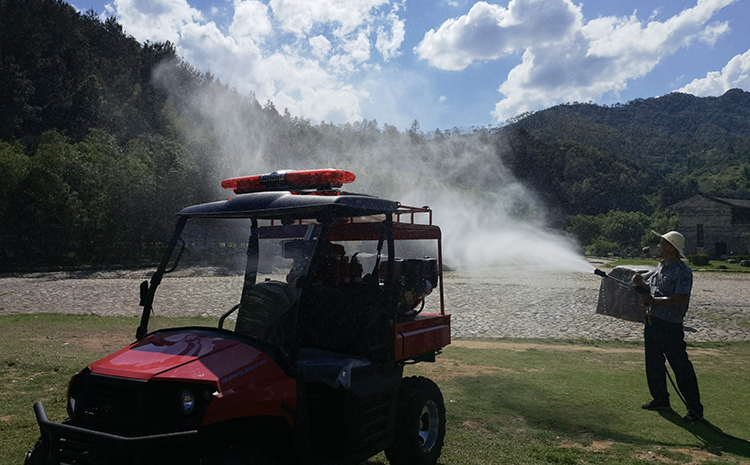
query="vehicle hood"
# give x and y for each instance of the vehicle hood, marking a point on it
(183, 355)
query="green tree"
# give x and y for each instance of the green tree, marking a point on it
(13, 170)
(15, 91)
(585, 228)
(660, 221)
(14, 167)
(625, 228)
(44, 215)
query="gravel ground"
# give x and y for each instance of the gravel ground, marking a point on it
(546, 304)
(487, 302)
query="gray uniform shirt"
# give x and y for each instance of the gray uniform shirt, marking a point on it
(670, 279)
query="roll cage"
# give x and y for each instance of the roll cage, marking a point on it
(318, 218)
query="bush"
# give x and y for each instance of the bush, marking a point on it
(602, 248)
(698, 260)
(630, 252)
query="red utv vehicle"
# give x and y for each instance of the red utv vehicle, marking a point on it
(305, 368)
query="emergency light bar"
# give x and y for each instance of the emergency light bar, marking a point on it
(289, 181)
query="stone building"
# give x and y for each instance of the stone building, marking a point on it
(713, 225)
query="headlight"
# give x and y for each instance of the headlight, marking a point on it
(187, 401)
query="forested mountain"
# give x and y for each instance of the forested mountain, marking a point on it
(682, 144)
(102, 138)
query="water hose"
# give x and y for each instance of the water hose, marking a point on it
(620, 282)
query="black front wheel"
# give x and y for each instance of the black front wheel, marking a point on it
(39, 455)
(420, 424)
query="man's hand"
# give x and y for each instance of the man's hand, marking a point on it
(637, 279)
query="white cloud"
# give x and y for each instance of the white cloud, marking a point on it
(389, 42)
(358, 49)
(155, 20)
(713, 32)
(489, 32)
(298, 53)
(320, 46)
(299, 17)
(353, 54)
(250, 19)
(563, 58)
(736, 74)
(306, 89)
(238, 61)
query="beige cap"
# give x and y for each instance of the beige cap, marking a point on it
(676, 239)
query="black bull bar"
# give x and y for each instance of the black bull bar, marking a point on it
(122, 449)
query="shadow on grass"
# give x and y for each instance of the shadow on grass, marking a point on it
(713, 438)
(548, 410)
(557, 411)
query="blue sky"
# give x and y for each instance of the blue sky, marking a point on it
(449, 63)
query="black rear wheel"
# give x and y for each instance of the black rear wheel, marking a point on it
(420, 424)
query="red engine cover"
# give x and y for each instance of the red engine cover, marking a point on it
(248, 381)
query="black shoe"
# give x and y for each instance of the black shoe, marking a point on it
(654, 405)
(692, 417)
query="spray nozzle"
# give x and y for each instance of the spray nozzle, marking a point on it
(620, 282)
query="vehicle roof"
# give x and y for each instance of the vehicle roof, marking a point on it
(284, 204)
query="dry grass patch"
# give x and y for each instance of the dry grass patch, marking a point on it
(109, 340)
(525, 346)
(444, 369)
(593, 446)
(676, 456)
(475, 426)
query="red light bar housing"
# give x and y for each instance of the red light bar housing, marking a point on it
(322, 179)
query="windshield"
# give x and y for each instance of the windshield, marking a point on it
(331, 286)
(229, 264)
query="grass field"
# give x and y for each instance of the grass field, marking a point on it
(507, 401)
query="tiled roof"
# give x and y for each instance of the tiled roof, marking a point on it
(741, 203)
(734, 202)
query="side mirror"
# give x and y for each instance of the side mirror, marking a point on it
(144, 293)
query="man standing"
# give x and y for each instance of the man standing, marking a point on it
(669, 296)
